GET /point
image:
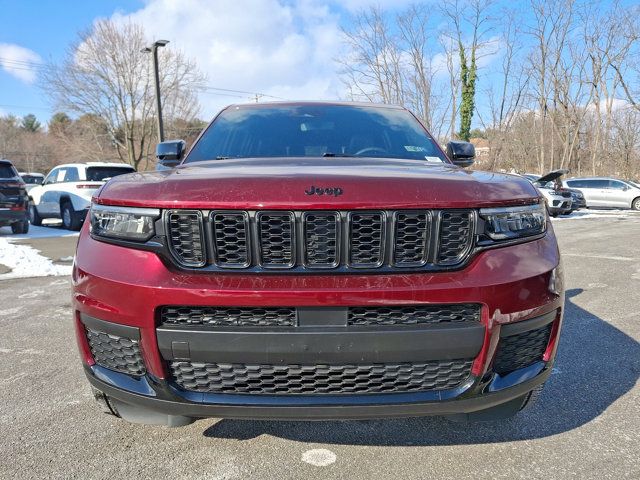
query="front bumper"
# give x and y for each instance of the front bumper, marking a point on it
(126, 288)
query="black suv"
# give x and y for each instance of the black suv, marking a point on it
(14, 202)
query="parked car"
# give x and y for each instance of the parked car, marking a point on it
(14, 202)
(286, 269)
(559, 200)
(607, 192)
(31, 179)
(67, 190)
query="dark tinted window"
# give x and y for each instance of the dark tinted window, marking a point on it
(588, 183)
(7, 171)
(315, 130)
(98, 174)
(32, 179)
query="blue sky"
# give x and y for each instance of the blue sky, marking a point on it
(285, 48)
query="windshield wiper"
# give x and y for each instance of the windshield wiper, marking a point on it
(330, 154)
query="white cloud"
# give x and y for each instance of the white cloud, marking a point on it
(274, 47)
(355, 5)
(19, 61)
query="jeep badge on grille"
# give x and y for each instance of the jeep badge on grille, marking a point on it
(313, 190)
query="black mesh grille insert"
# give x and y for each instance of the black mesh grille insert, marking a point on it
(456, 230)
(521, 350)
(116, 353)
(320, 379)
(231, 238)
(367, 233)
(229, 316)
(413, 315)
(185, 237)
(276, 232)
(411, 238)
(367, 240)
(321, 239)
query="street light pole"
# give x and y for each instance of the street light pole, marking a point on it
(154, 51)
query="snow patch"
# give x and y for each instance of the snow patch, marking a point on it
(319, 457)
(26, 262)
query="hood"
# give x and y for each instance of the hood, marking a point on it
(551, 176)
(316, 183)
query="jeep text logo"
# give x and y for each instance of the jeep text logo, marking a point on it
(313, 190)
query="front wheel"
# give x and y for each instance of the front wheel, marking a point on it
(70, 219)
(635, 205)
(34, 216)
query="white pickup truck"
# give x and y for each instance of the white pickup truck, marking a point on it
(67, 190)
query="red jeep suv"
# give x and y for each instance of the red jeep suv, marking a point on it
(316, 261)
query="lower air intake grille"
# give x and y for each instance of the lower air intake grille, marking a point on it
(228, 316)
(320, 379)
(414, 315)
(116, 353)
(185, 237)
(521, 350)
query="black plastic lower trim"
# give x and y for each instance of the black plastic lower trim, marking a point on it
(316, 345)
(354, 407)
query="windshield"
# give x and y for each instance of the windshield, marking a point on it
(98, 174)
(315, 131)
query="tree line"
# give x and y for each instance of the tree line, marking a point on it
(558, 80)
(546, 84)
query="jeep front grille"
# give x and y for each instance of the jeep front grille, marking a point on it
(261, 379)
(302, 241)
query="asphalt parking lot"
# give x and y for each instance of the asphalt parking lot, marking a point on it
(585, 425)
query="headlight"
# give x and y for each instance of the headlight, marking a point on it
(514, 222)
(125, 223)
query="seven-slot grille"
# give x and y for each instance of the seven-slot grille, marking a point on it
(358, 240)
(260, 379)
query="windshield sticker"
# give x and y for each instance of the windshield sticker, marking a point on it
(433, 159)
(414, 148)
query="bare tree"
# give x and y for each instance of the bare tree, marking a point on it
(107, 76)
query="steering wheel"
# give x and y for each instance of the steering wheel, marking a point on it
(370, 149)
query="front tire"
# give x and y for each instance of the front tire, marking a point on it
(34, 216)
(635, 205)
(70, 219)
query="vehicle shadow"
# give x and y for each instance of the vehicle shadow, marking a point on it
(596, 365)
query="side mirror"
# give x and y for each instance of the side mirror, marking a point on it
(169, 154)
(461, 154)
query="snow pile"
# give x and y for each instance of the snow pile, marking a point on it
(25, 261)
